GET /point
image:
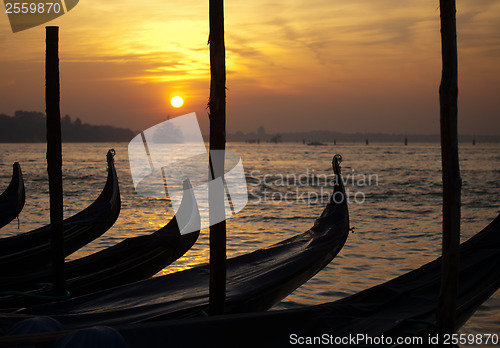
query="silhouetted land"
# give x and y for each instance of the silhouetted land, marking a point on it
(29, 127)
(261, 136)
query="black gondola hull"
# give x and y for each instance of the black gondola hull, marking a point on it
(255, 281)
(29, 251)
(12, 199)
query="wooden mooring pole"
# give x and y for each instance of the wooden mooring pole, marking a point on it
(448, 96)
(54, 157)
(217, 106)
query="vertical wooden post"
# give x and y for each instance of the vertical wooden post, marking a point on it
(54, 157)
(448, 95)
(217, 106)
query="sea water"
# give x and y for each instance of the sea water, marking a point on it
(394, 196)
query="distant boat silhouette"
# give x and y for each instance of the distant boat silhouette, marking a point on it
(316, 143)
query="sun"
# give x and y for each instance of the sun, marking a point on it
(177, 102)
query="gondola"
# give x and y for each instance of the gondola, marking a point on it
(31, 250)
(404, 308)
(255, 281)
(12, 199)
(131, 260)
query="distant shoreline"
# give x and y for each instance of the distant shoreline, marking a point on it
(331, 137)
(29, 127)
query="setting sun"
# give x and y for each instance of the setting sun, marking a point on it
(177, 102)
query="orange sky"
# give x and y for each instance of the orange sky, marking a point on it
(362, 65)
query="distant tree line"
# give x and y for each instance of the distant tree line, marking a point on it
(29, 127)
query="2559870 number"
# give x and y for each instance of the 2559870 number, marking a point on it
(32, 8)
(470, 339)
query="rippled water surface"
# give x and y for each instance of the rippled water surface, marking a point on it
(395, 206)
